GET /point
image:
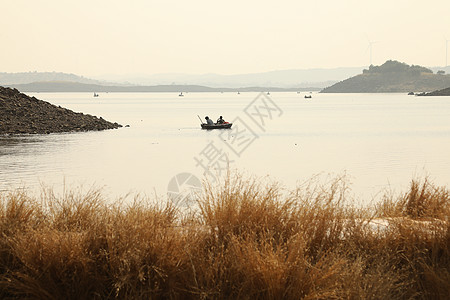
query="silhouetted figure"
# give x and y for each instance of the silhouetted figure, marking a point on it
(209, 121)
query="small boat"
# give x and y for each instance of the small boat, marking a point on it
(181, 94)
(95, 95)
(308, 96)
(217, 126)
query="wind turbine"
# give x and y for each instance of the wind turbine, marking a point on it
(370, 48)
(446, 51)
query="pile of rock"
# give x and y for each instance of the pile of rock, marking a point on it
(21, 114)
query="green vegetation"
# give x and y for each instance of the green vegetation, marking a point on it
(246, 240)
(392, 77)
(392, 66)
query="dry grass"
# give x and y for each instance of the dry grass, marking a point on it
(248, 239)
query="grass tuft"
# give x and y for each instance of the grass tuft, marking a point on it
(248, 239)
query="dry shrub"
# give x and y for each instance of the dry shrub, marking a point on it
(267, 246)
(418, 237)
(248, 239)
(436, 280)
(423, 200)
(266, 271)
(18, 211)
(52, 265)
(145, 250)
(242, 206)
(426, 200)
(323, 215)
(74, 210)
(50, 256)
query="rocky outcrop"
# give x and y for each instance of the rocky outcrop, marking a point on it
(20, 114)
(443, 92)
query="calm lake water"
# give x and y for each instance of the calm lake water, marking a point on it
(378, 140)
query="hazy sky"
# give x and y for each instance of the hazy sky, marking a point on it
(95, 37)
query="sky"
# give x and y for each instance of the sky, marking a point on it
(99, 37)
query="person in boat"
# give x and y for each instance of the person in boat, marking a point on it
(209, 121)
(220, 120)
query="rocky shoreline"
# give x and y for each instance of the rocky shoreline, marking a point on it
(22, 114)
(444, 92)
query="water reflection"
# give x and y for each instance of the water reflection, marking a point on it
(379, 140)
(13, 145)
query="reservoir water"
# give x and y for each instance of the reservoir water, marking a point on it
(378, 140)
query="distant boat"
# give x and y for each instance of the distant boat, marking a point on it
(217, 126)
(239, 93)
(225, 125)
(181, 94)
(268, 93)
(95, 94)
(308, 96)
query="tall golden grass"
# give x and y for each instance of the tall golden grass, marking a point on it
(246, 239)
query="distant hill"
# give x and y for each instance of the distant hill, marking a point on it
(295, 78)
(67, 86)
(392, 77)
(64, 86)
(30, 77)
